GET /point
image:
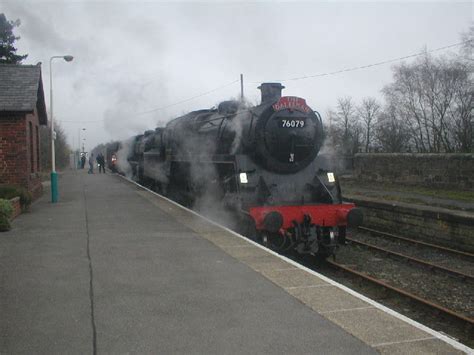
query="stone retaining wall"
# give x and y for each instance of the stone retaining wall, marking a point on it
(451, 171)
(453, 229)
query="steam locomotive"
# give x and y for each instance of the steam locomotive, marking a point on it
(257, 162)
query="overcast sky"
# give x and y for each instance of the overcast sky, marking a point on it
(131, 57)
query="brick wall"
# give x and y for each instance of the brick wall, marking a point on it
(18, 161)
(33, 158)
(13, 150)
(454, 171)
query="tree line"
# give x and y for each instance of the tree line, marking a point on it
(426, 109)
(61, 148)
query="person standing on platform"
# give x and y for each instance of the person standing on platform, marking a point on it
(91, 164)
(101, 163)
(83, 160)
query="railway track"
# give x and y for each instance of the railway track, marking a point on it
(418, 242)
(433, 257)
(465, 322)
(408, 258)
(401, 267)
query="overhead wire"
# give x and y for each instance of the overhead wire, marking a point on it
(289, 79)
(67, 121)
(188, 99)
(369, 65)
(167, 106)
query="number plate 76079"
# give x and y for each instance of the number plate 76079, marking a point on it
(292, 123)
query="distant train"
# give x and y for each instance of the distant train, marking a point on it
(257, 162)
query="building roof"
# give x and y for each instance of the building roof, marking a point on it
(21, 90)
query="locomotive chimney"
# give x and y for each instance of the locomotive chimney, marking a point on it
(271, 91)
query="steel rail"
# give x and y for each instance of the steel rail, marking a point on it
(468, 322)
(415, 260)
(439, 247)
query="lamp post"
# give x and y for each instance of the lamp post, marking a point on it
(54, 175)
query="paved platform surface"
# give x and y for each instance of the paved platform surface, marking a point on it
(115, 269)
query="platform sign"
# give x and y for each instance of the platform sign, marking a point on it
(291, 103)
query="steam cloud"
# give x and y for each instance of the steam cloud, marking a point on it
(122, 157)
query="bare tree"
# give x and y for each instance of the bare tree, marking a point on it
(368, 111)
(428, 108)
(344, 118)
(345, 130)
(459, 115)
(433, 96)
(467, 49)
(61, 147)
(391, 131)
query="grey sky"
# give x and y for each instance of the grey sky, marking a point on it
(134, 56)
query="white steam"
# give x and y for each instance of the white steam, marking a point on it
(123, 153)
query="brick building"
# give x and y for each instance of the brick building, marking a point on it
(22, 110)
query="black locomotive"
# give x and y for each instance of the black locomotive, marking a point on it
(258, 162)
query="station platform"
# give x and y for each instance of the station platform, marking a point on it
(114, 268)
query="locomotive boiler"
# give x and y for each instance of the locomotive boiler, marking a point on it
(258, 162)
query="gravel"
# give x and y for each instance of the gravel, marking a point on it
(449, 260)
(443, 289)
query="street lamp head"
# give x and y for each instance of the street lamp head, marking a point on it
(68, 58)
